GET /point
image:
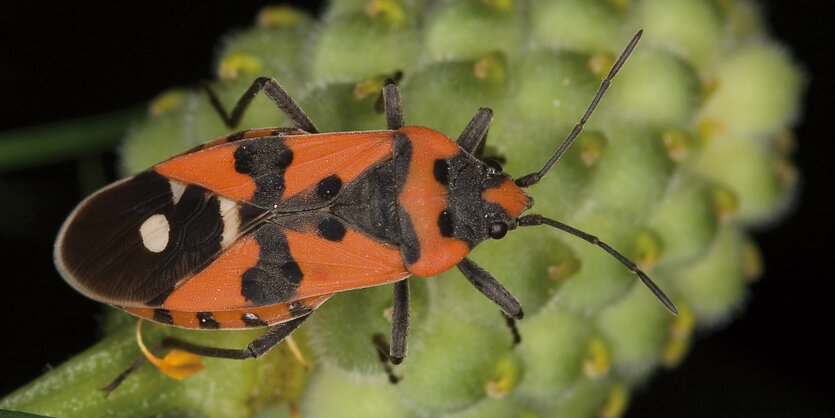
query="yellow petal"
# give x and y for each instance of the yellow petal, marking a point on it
(180, 364)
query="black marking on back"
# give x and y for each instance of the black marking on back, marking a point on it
(102, 248)
(441, 171)
(207, 320)
(292, 273)
(298, 309)
(331, 229)
(249, 214)
(163, 316)
(265, 160)
(276, 276)
(368, 205)
(329, 187)
(252, 320)
(445, 224)
(402, 156)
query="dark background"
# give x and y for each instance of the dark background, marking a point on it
(77, 59)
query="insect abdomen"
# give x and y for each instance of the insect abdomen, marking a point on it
(231, 319)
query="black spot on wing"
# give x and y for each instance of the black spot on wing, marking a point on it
(237, 136)
(207, 320)
(275, 276)
(291, 272)
(331, 229)
(328, 187)
(298, 309)
(163, 316)
(283, 159)
(251, 320)
(265, 160)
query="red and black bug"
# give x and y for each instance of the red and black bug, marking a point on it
(259, 228)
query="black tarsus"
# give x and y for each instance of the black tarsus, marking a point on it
(490, 287)
(129, 371)
(533, 178)
(472, 139)
(383, 349)
(400, 322)
(274, 91)
(514, 331)
(534, 220)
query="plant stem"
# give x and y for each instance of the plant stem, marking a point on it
(225, 388)
(62, 140)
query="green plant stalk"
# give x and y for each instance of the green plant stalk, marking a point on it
(237, 387)
(64, 140)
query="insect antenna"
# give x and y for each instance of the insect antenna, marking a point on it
(533, 178)
(534, 220)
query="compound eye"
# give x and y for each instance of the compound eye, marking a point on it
(493, 166)
(498, 230)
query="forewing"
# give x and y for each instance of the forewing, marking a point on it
(284, 171)
(289, 258)
(138, 238)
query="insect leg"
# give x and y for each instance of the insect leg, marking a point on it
(129, 371)
(393, 105)
(511, 324)
(383, 349)
(257, 348)
(490, 287)
(474, 136)
(400, 322)
(274, 91)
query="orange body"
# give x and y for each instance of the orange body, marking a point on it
(276, 239)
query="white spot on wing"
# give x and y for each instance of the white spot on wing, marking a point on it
(231, 221)
(177, 189)
(154, 232)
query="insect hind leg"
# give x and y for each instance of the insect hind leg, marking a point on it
(514, 331)
(399, 322)
(133, 368)
(382, 347)
(274, 91)
(257, 348)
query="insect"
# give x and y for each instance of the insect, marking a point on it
(261, 227)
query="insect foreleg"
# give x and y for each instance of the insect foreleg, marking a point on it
(275, 92)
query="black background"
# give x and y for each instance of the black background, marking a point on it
(75, 59)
